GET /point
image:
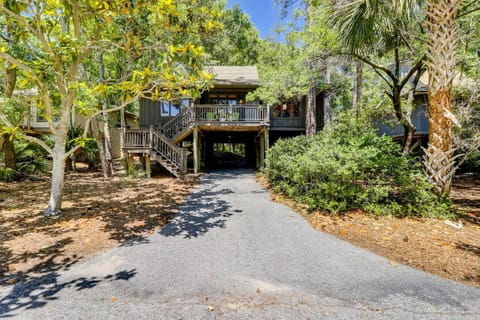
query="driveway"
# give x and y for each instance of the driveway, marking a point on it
(231, 253)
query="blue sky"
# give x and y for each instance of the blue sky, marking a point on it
(263, 14)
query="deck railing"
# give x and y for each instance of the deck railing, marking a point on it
(173, 155)
(231, 113)
(136, 139)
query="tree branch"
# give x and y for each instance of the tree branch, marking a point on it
(37, 141)
(410, 73)
(23, 67)
(376, 66)
(91, 117)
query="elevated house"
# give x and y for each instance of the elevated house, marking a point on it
(34, 122)
(181, 135)
(419, 116)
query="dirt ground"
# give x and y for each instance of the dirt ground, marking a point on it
(97, 214)
(101, 213)
(449, 249)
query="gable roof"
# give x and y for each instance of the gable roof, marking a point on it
(234, 75)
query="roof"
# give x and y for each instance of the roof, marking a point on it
(459, 80)
(234, 75)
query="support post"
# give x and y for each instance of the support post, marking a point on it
(262, 150)
(130, 165)
(148, 166)
(267, 141)
(196, 151)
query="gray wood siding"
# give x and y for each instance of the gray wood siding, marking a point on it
(419, 120)
(151, 113)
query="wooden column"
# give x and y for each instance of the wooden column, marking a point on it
(130, 165)
(196, 151)
(267, 141)
(261, 143)
(148, 166)
(266, 145)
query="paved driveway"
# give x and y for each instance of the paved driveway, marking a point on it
(233, 254)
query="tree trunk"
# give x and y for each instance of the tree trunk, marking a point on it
(9, 152)
(409, 128)
(311, 109)
(11, 79)
(357, 87)
(8, 145)
(107, 145)
(100, 145)
(441, 26)
(58, 176)
(310, 120)
(105, 148)
(327, 112)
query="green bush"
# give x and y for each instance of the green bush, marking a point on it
(347, 168)
(472, 162)
(31, 158)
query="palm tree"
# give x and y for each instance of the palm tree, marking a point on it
(441, 26)
(371, 28)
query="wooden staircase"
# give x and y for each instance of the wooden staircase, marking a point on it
(161, 144)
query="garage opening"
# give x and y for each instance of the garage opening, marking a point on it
(229, 155)
(229, 150)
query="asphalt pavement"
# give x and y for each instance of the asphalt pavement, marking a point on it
(231, 253)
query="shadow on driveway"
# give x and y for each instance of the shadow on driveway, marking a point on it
(204, 210)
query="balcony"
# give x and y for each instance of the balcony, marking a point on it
(231, 115)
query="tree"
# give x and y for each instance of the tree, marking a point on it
(237, 44)
(157, 39)
(8, 34)
(442, 28)
(301, 66)
(385, 30)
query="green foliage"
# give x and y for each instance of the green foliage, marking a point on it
(89, 146)
(288, 69)
(237, 44)
(31, 158)
(472, 162)
(347, 167)
(8, 174)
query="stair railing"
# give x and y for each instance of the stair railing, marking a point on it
(178, 125)
(169, 152)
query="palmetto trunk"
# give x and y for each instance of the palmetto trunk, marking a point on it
(441, 26)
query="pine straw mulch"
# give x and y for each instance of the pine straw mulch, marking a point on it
(97, 213)
(434, 246)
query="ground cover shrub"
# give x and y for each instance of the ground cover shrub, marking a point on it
(345, 168)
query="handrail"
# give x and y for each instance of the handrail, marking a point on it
(232, 113)
(136, 138)
(177, 124)
(169, 151)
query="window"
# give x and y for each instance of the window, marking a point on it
(165, 108)
(286, 110)
(225, 98)
(173, 108)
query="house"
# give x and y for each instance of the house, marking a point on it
(34, 123)
(183, 135)
(419, 115)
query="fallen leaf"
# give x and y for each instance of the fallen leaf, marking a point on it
(114, 299)
(258, 290)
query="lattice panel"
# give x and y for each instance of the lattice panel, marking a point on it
(116, 142)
